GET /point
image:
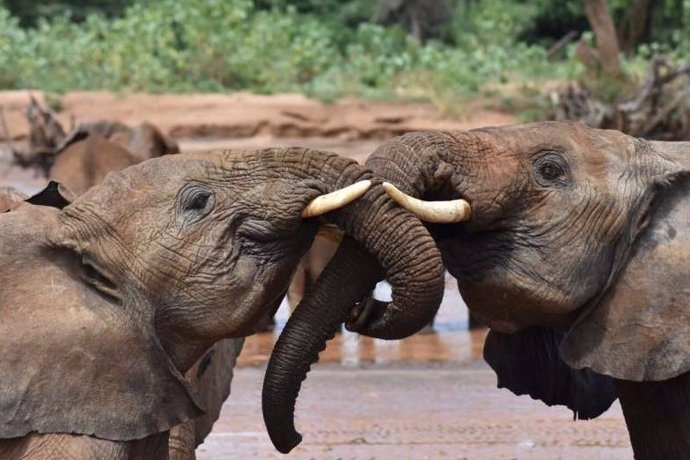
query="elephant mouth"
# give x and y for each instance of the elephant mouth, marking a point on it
(369, 308)
(361, 313)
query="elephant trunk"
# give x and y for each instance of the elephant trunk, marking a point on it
(418, 164)
(315, 320)
(383, 240)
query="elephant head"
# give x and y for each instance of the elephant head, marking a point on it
(578, 239)
(106, 301)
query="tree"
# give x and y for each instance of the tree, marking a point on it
(423, 19)
(635, 26)
(29, 11)
(605, 32)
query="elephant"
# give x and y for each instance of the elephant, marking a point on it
(143, 141)
(160, 261)
(575, 252)
(91, 151)
(48, 142)
(210, 377)
(83, 160)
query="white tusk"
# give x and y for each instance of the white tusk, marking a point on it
(334, 200)
(437, 212)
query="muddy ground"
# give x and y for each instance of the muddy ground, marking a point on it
(429, 396)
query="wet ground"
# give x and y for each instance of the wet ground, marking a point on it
(427, 397)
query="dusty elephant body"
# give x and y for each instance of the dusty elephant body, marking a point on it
(210, 379)
(144, 265)
(86, 162)
(80, 160)
(143, 141)
(577, 255)
(89, 153)
(62, 155)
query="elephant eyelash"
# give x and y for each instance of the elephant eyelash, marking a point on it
(550, 170)
(199, 201)
(194, 203)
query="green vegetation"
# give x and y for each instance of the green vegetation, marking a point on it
(325, 48)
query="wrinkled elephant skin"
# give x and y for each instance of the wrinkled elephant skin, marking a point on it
(153, 266)
(577, 255)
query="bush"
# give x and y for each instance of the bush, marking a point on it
(267, 46)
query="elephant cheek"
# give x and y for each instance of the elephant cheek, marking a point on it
(254, 289)
(244, 273)
(494, 308)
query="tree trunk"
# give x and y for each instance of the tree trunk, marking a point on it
(636, 26)
(605, 32)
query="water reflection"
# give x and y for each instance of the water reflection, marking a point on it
(450, 342)
(351, 350)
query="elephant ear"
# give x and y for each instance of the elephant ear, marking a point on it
(212, 376)
(640, 329)
(528, 362)
(72, 359)
(54, 195)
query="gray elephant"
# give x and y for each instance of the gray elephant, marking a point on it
(83, 160)
(209, 378)
(576, 254)
(66, 155)
(90, 152)
(157, 263)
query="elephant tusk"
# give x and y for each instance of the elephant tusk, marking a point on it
(437, 212)
(334, 200)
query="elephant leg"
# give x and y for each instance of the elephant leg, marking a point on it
(658, 417)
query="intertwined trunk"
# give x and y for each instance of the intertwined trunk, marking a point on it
(384, 241)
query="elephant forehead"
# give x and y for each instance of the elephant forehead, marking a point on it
(595, 153)
(163, 175)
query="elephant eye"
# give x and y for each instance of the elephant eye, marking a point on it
(199, 201)
(551, 170)
(194, 203)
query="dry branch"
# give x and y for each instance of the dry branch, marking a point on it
(659, 109)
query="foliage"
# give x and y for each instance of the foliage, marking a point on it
(216, 45)
(325, 48)
(30, 11)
